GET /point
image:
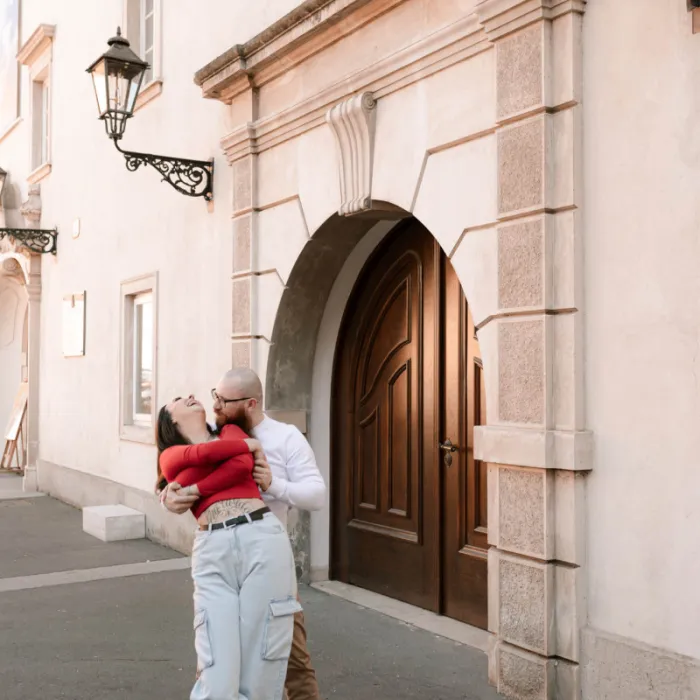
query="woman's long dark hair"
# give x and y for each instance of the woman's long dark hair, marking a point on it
(167, 435)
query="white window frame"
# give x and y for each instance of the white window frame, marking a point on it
(137, 427)
(41, 121)
(36, 53)
(134, 21)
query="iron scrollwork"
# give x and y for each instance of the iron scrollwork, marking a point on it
(193, 178)
(38, 240)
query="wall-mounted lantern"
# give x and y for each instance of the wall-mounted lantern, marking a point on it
(38, 240)
(117, 76)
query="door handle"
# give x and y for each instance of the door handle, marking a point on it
(448, 448)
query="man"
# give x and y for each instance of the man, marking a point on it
(288, 477)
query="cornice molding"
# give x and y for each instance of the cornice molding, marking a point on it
(307, 30)
(501, 17)
(40, 40)
(434, 53)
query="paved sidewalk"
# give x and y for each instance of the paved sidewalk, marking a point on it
(126, 632)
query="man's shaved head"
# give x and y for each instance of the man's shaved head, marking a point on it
(244, 382)
(235, 390)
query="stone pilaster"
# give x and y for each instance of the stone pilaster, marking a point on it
(249, 344)
(536, 442)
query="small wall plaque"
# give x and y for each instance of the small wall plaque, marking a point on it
(74, 325)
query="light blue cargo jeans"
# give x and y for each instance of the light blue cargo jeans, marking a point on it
(245, 591)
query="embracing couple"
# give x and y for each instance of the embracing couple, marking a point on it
(240, 481)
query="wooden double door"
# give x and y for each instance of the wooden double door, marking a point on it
(409, 499)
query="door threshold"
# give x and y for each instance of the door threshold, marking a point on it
(410, 614)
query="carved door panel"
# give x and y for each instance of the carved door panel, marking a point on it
(402, 371)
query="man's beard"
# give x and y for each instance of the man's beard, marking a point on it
(243, 422)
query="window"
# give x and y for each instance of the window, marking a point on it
(138, 380)
(143, 358)
(147, 17)
(9, 65)
(40, 122)
(36, 55)
(142, 21)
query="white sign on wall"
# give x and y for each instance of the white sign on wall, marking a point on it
(74, 325)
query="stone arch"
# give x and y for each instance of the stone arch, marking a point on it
(295, 333)
(303, 302)
(24, 271)
(304, 339)
(493, 171)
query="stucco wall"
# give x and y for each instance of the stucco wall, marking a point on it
(642, 168)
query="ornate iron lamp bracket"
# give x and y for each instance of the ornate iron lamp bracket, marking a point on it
(193, 178)
(38, 240)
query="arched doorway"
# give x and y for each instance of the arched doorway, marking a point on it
(14, 311)
(408, 498)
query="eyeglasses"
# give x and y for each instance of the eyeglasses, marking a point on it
(224, 401)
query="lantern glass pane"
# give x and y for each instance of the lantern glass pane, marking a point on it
(124, 81)
(100, 84)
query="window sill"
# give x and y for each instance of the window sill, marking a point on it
(10, 129)
(137, 433)
(39, 174)
(149, 93)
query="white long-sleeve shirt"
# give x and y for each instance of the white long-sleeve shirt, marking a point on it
(296, 479)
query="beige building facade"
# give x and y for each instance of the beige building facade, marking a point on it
(456, 238)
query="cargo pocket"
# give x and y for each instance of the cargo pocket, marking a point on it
(202, 642)
(279, 629)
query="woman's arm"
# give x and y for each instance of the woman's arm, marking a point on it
(207, 454)
(230, 474)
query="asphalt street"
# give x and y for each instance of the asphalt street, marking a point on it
(127, 633)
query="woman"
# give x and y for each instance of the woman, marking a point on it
(242, 562)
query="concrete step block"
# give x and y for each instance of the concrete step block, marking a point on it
(114, 523)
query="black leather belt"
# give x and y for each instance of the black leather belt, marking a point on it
(238, 520)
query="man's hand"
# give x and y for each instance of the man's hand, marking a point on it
(176, 502)
(253, 445)
(262, 474)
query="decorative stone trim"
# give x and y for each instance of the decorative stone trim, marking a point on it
(241, 353)
(449, 46)
(242, 244)
(521, 602)
(31, 209)
(149, 93)
(305, 31)
(501, 17)
(537, 513)
(353, 123)
(10, 128)
(242, 289)
(39, 174)
(40, 40)
(244, 185)
(531, 447)
(523, 675)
